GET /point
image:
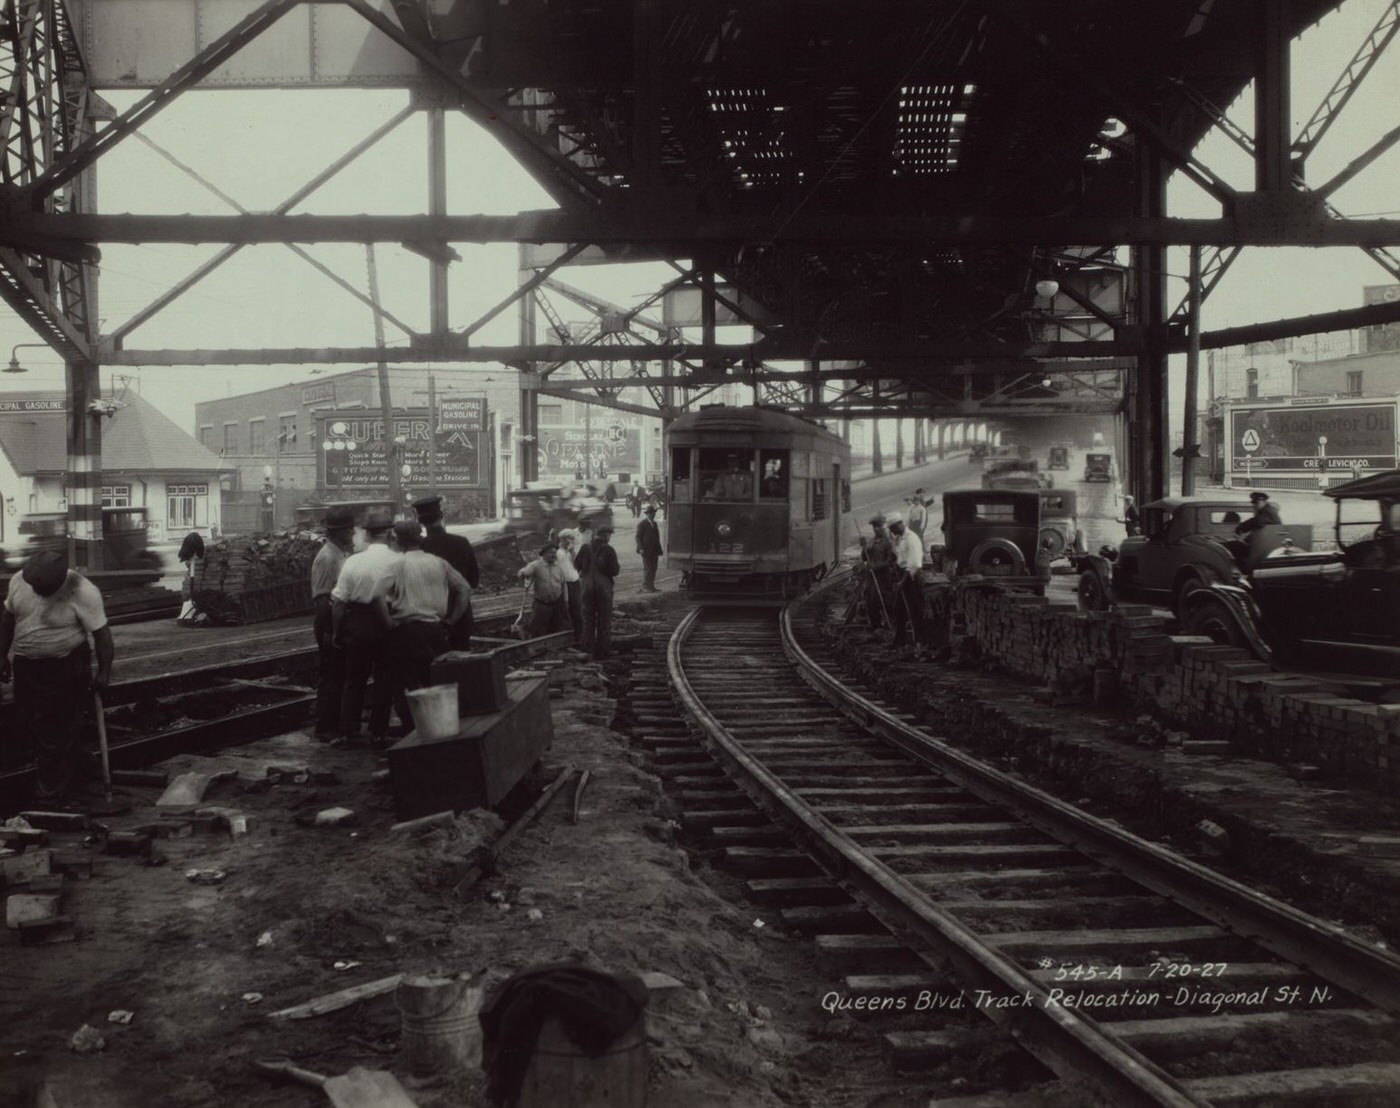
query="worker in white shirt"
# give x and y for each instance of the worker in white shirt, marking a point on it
(361, 620)
(908, 591)
(568, 547)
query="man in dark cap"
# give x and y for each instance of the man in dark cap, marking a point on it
(1264, 514)
(649, 547)
(597, 567)
(457, 552)
(360, 617)
(325, 571)
(49, 613)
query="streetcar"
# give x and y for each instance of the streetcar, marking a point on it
(759, 503)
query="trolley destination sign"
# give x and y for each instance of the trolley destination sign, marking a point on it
(355, 454)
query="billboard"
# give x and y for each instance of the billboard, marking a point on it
(612, 444)
(1360, 435)
(354, 456)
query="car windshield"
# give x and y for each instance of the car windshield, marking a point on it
(1357, 520)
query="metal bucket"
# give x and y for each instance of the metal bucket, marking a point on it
(434, 711)
(438, 1020)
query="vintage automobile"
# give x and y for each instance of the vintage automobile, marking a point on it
(976, 452)
(311, 515)
(124, 538)
(1014, 473)
(1060, 536)
(1186, 544)
(1058, 458)
(532, 512)
(994, 533)
(1338, 611)
(1098, 467)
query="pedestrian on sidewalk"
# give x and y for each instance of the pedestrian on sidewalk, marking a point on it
(918, 513)
(361, 624)
(598, 569)
(49, 613)
(325, 572)
(545, 576)
(649, 547)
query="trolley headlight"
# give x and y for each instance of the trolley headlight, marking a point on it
(723, 529)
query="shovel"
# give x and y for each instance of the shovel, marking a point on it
(102, 742)
(360, 1088)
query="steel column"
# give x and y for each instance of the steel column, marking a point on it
(1273, 169)
(438, 311)
(1148, 448)
(1193, 376)
(83, 485)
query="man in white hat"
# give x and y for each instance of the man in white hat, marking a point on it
(908, 593)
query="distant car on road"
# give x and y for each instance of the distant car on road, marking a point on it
(1058, 458)
(1098, 467)
(994, 533)
(1014, 473)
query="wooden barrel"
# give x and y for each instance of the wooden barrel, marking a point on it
(440, 1031)
(560, 1075)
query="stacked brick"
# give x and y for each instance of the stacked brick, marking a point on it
(1215, 693)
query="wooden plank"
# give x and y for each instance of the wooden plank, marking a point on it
(342, 998)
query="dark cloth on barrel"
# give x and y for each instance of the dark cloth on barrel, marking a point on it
(593, 1008)
(52, 697)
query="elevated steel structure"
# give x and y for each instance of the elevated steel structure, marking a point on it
(877, 195)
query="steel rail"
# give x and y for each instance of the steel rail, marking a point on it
(1313, 944)
(1069, 1045)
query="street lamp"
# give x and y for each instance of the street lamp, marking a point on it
(14, 366)
(1322, 461)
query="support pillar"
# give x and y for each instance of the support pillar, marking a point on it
(437, 205)
(84, 484)
(899, 444)
(1146, 472)
(1273, 168)
(919, 441)
(940, 428)
(1193, 376)
(529, 426)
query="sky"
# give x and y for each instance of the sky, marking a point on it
(259, 146)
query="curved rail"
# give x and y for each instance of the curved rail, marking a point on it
(1069, 1044)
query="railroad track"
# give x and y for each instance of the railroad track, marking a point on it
(1109, 958)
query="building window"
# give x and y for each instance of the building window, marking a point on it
(116, 496)
(1354, 383)
(230, 438)
(186, 506)
(206, 436)
(551, 415)
(286, 433)
(818, 498)
(257, 436)
(1251, 383)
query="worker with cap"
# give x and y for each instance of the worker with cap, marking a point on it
(361, 625)
(1132, 519)
(918, 513)
(878, 555)
(49, 613)
(325, 572)
(549, 587)
(1265, 514)
(569, 545)
(649, 547)
(597, 567)
(426, 599)
(908, 594)
(457, 552)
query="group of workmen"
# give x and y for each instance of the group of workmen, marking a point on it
(893, 559)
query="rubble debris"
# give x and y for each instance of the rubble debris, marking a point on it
(128, 842)
(265, 939)
(336, 817)
(656, 982)
(355, 1089)
(145, 778)
(55, 821)
(189, 788)
(344, 964)
(333, 1002)
(120, 1015)
(437, 819)
(86, 1040)
(252, 998)
(205, 876)
(18, 868)
(230, 818)
(24, 907)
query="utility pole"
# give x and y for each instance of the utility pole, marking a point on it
(386, 408)
(432, 433)
(1193, 376)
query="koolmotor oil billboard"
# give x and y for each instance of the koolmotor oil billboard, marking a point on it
(1288, 440)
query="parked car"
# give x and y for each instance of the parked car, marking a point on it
(1014, 473)
(1098, 467)
(1060, 536)
(995, 533)
(1186, 544)
(1058, 458)
(531, 513)
(977, 452)
(1337, 610)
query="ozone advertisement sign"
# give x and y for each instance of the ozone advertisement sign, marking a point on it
(354, 455)
(1287, 440)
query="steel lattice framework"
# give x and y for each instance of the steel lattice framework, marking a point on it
(874, 196)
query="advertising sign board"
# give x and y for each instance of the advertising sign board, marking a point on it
(609, 446)
(355, 456)
(1283, 440)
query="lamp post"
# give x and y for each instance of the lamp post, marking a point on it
(1322, 461)
(14, 366)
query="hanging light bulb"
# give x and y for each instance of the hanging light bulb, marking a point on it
(1047, 288)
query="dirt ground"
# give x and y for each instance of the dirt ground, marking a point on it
(202, 966)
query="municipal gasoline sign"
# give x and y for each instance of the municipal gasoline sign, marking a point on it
(1250, 440)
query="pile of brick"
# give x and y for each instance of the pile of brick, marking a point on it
(244, 580)
(1214, 693)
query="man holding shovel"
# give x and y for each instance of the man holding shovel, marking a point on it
(49, 613)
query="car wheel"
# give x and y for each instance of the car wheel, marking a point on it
(1210, 617)
(1181, 598)
(1052, 542)
(997, 558)
(1093, 592)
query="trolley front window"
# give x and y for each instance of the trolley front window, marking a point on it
(773, 474)
(726, 475)
(680, 475)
